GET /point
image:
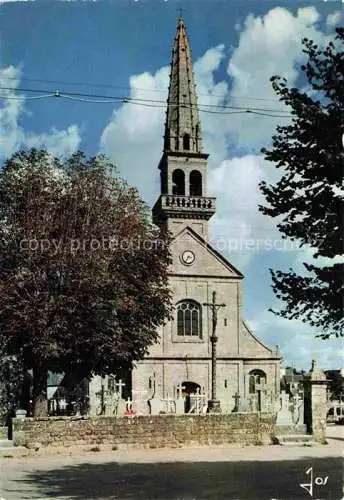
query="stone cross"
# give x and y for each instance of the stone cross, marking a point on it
(154, 384)
(179, 390)
(181, 10)
(260, 388)
(120, 386)
(214, 404)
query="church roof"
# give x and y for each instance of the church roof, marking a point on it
(248, 330)
(182, 121)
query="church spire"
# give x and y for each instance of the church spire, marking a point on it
(183, 200)
(182, 127)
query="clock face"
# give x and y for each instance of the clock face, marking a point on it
(188, 257)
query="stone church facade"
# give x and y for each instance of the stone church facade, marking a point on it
(182, 357)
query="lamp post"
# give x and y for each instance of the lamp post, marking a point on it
(213, 404)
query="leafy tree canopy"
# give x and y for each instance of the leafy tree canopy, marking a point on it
(83, 273)
(308, 198)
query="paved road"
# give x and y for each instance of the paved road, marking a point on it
(250, 473)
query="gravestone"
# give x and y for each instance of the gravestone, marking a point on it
(180, 400)
(198, 402)
(284, 415)
(156, 406)
(168, 404)
(140, 398)
(298, 408)
(121, 408)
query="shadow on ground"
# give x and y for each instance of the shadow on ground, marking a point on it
(187, 480)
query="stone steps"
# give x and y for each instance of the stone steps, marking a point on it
(295, 440)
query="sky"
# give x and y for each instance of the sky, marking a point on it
(98, 54)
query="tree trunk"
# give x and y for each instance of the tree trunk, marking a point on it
(39, 396)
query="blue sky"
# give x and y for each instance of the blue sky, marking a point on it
(122, 49)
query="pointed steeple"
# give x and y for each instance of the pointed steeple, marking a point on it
(182, 127)
(183, 200)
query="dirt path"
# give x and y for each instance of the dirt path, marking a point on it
(254, 472)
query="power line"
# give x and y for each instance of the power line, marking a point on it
(5, 97)
(102, 85)
(94, 98)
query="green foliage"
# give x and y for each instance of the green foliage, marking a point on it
(308, 198)
(83, 273)
(11, 377)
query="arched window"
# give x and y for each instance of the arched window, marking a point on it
(178, 182)
(189, 318)
(186, 142)
(256, 381)
(195, 183)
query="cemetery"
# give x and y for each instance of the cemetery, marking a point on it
(181, 420)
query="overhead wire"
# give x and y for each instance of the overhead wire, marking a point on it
(103, 99)
(102, 85)
(26, 97)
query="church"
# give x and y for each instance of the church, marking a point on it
(247, 371)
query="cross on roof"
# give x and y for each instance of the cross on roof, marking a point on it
(181, 10)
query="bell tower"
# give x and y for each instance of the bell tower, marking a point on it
(183, 199)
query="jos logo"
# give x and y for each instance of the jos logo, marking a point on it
(318, 481)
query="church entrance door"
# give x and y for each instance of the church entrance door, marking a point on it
(189, 388)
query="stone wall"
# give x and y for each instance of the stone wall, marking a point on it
(145, 431)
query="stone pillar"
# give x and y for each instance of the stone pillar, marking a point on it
(315, 385)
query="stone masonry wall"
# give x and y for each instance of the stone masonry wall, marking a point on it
(145, 431)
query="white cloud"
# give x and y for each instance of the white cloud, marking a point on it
(214, 125)
(297, 341)
(134, 136)
(59, 142)
(239, 228)
(13, 136)
(334, 18)
(268, 45)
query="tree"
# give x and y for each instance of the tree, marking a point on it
(308, 198)
(12, 379)
(83, 273)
